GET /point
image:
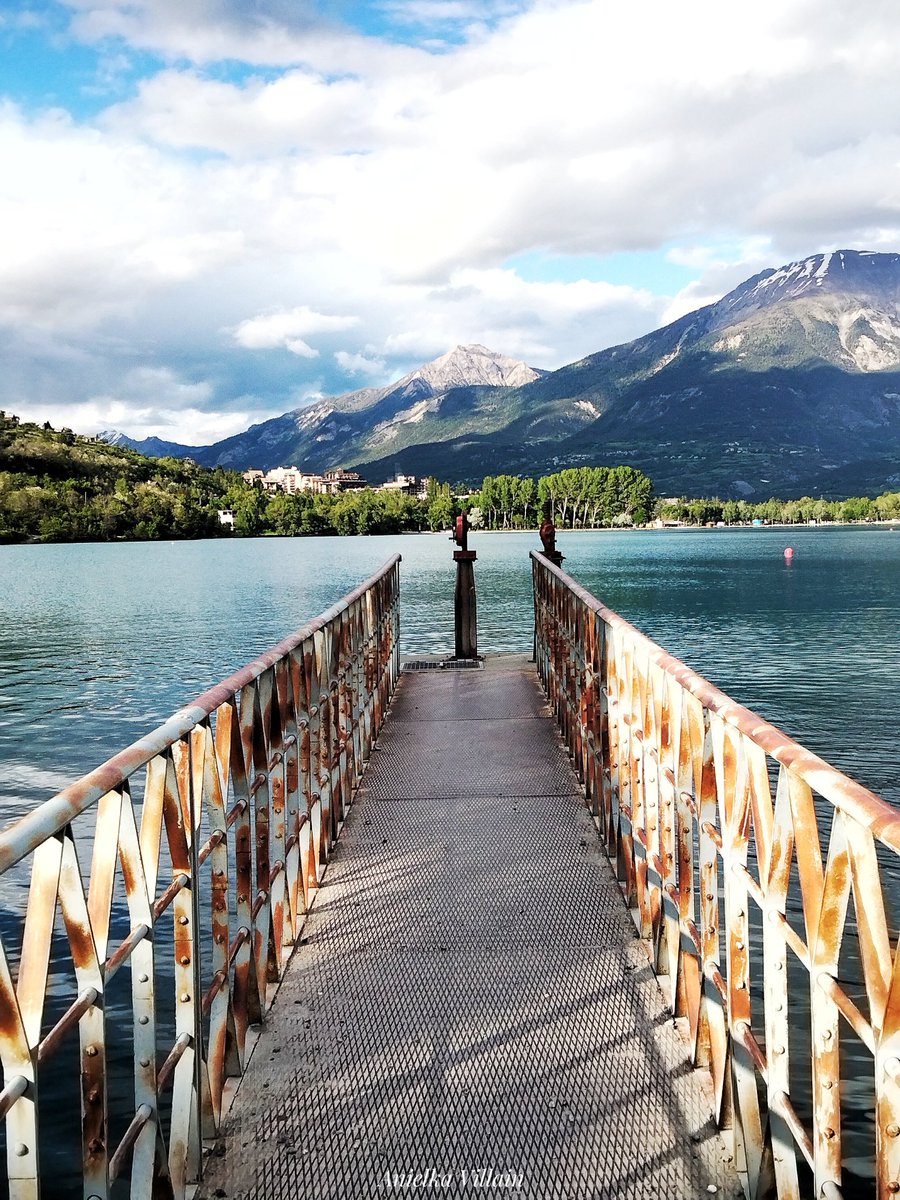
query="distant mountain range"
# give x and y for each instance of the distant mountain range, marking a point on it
(462, 392)
(789, 385)
(153, 447)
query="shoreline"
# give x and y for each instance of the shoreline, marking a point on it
(888, 523)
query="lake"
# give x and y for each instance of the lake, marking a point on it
(99, 643)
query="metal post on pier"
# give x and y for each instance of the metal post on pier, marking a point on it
(547, 534)
(464, 608)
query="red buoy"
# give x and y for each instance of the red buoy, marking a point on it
(789, 553)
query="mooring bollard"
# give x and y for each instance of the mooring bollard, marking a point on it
(464, 598)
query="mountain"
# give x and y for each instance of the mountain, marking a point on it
(463, 391)
(789, 385)
(153, 447)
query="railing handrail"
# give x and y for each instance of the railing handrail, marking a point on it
(708, 813)
(22, 837)
(220, 822)
(843, 791)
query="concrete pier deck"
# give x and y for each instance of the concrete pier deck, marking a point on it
(471, 1013)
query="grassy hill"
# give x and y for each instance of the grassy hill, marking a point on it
(58, 486)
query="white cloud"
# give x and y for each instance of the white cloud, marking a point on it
(220, 215)
(187, 425)
(360, 364)
(527, 320)
(287, 329)
(721, 267)
(150, 401)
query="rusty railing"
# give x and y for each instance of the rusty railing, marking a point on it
(209, 839)
(741, 854)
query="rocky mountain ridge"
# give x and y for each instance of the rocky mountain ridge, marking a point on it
(153, 447)
(340, 431)
(788, 384)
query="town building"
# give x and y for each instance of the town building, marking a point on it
(340, 480)
(401, 483)
(292, 480)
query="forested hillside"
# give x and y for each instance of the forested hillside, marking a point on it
(56, 486)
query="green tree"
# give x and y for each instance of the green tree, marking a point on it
(440, 513)
(249, 510)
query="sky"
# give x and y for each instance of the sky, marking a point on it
(215, 211)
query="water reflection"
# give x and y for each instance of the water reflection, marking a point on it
(100, 643)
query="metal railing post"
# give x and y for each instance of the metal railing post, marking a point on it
(464, 604)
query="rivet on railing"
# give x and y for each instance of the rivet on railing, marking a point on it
(21, 1150)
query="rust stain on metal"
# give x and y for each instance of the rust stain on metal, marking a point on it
(246, 761)
(676, 771)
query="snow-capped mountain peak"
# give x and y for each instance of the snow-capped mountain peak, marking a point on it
(858, 272)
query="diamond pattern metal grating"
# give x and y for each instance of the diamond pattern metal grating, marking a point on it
(470, 1013)
(441, 664)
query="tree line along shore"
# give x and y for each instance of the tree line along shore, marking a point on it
(57, 486)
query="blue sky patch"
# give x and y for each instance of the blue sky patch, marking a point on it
(42, 66)
(634, 268)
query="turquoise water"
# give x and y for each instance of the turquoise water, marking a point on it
(99, 643)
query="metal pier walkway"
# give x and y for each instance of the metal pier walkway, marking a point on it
(470, 1012)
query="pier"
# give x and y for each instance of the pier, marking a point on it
(508, 927)
(470, 1011)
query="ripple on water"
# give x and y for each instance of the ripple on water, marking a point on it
(98, 644)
